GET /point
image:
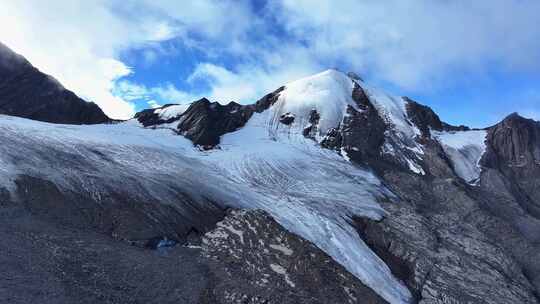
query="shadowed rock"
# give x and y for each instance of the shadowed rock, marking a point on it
(425, 119)
(204, 122)
(29, 93)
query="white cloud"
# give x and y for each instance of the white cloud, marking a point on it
(78, 42)
(170, 94)
(153, 104)
(413, 44)
(247, 83)
(416, 44)
(164, 94)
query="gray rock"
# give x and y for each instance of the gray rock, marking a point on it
(255, 260)
(444, 243)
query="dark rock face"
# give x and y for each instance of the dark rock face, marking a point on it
(425, 118)
(28, 93)
(447, 241)
(267, 101)
(255, 260)
(311, 130)
(286, 118)
(514, 149)
(332, 139)
(204, 122)
(510, 181)
(120, 215)
(444, 241)
(362, 132)
(453, 243)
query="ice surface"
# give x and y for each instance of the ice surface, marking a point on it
(311, 191)
(465, 149)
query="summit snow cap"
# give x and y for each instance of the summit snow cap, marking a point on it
(330, 95)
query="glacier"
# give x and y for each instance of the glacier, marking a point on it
(310, 191)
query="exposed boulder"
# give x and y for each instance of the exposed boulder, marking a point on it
(286, 118)
(311, 130)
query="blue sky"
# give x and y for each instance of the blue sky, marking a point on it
(472, 61)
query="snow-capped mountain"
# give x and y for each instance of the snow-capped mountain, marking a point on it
(327, 190)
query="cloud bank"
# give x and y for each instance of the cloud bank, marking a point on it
(414, 45)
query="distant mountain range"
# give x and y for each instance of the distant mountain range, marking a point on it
(327, 190)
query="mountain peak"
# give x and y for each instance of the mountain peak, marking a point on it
(516, 117)
(329, 93)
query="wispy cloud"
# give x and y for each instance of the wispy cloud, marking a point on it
(154, 96)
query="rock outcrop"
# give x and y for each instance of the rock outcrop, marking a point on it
(255, 260)
(426, 119)
(204, 122)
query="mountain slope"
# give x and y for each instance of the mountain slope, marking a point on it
(410, 209)
(444, 204)
(26, 92)
(123, 174)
